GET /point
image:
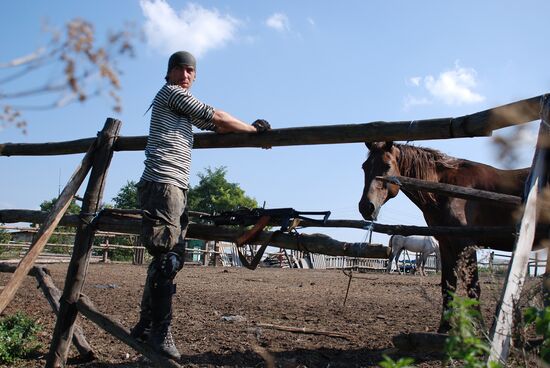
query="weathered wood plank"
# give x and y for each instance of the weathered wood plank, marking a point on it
(538, 180)
(502, 333)
(53, 295)
(452, 190)
(131, 225)
(86, 307)
(314, 243)
(76, 273)
(474, 125)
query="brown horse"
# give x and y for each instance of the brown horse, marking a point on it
(458, 254)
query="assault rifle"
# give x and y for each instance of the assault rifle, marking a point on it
(277, 216)
(260, 218)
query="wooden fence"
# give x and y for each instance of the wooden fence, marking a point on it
(97, 159)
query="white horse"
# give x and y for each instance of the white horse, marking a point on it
(425, 245)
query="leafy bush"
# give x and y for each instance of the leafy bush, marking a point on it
(466, 342)
(401, 363)
(17, 337)
(541, 320)
(5, 236)
(121, 255)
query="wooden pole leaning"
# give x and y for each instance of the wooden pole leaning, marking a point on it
(78, 265)
(53, 295)
(113, 327)
(501, 334)
(47, 228)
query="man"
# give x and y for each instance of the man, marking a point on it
(162, 192)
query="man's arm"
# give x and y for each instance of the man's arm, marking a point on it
(226, 123)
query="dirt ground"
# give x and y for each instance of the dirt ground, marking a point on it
(218, 312)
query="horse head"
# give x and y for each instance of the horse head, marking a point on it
(382, 161)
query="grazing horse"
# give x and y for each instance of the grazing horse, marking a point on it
(425, 245)
(458, 254)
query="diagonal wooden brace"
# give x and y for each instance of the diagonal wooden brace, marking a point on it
(250, 236)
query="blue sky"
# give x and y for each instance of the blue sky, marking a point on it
(294, 63)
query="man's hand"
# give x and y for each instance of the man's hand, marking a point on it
(261, 125)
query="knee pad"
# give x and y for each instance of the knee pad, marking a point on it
(161, 284)
(170, 264)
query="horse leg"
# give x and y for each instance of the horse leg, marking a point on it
(423, 261)
(469, 273)
(397, 255)
(390, 261)
(448, 282)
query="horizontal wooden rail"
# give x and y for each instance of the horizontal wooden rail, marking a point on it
(102, 234)
(475, 125)
(452, 190)
(131, 225)
(316, 243)
(99, 246)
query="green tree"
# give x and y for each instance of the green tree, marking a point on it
(4, 235)
(127, 197)
(64, 237)
(74, 209)
(215, 194)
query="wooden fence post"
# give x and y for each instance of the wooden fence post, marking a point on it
(501, 335)
(78, 266)
(53, 295)
(546, 279)
(206, 254)
(106, 251)
(538, 179)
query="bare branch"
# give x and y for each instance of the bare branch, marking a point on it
(33, 92)
(87, 69)
(24, 59)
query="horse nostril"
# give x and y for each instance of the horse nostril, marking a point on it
(367, 210)
(370, 208)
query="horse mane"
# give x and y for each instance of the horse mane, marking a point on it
(422, 163)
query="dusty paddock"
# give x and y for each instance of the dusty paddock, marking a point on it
(217, 312)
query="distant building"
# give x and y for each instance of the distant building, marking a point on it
(22, 236)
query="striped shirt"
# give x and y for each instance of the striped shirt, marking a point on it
(168, 150)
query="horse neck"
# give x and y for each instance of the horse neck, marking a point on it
(424, 164)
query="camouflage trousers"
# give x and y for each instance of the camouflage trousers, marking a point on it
(163, 229)
(165, 218)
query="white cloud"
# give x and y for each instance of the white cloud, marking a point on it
(194, 28)
(452, 87)
(415, 81)
(311, 21)
(411, 101)
(278, 22)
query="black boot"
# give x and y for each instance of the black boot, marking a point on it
(161, 341)
(141, 330)
(143, 327)
(160, 338)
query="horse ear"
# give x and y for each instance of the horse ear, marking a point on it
(369, 145)
(388, 145)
